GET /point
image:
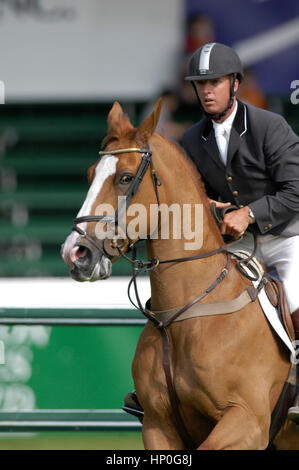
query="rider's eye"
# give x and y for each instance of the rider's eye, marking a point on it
(125, 179)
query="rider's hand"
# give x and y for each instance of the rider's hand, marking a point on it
(236, 222)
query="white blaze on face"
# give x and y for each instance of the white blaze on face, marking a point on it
(105, 168)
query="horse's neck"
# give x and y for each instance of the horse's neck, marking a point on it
(175, 284)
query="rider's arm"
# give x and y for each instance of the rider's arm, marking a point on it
(281, 150)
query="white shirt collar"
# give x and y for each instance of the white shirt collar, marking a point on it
(227, 124)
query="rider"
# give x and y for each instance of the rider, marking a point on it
(248, 157)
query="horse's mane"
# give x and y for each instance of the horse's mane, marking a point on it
(195, 176)
(192, 169)
(123, 129)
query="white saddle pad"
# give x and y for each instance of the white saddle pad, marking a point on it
(270, 312)
(272, 316)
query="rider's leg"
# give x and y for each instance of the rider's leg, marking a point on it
(283, 253)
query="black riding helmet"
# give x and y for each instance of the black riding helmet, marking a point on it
(215, 60)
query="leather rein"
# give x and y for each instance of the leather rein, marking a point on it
(141, 266)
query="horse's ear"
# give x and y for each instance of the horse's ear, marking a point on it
(148, 126)
(114, 114)
(118, 124)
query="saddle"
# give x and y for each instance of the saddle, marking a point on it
(273, 288)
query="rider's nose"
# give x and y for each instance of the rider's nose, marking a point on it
(207, 90)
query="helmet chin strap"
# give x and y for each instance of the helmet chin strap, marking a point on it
(218, 116)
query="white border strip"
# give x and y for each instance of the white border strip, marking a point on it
(67, 293)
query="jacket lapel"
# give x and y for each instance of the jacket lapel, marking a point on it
(239, 128)
(210, 144)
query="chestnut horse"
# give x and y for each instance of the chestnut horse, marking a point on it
(228, 370)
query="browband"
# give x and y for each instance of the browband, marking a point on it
(128, 150)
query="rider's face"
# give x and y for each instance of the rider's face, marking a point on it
(214, 93)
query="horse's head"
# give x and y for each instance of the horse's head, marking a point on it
(123, 171)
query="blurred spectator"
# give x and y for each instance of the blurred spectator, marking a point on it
(200, 31)
(250, 92)
(167, 126)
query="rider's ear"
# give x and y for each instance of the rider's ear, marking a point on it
(148, 126)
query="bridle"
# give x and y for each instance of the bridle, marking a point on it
(115, 243)
(140, 266)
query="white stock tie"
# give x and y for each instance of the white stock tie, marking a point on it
(220, 135)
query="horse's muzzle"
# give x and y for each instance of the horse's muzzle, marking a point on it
(86, 262)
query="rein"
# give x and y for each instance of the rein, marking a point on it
(140, 266)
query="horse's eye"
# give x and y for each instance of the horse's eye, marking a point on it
(125, 179)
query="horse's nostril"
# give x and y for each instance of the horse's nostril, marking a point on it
(79, 253)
